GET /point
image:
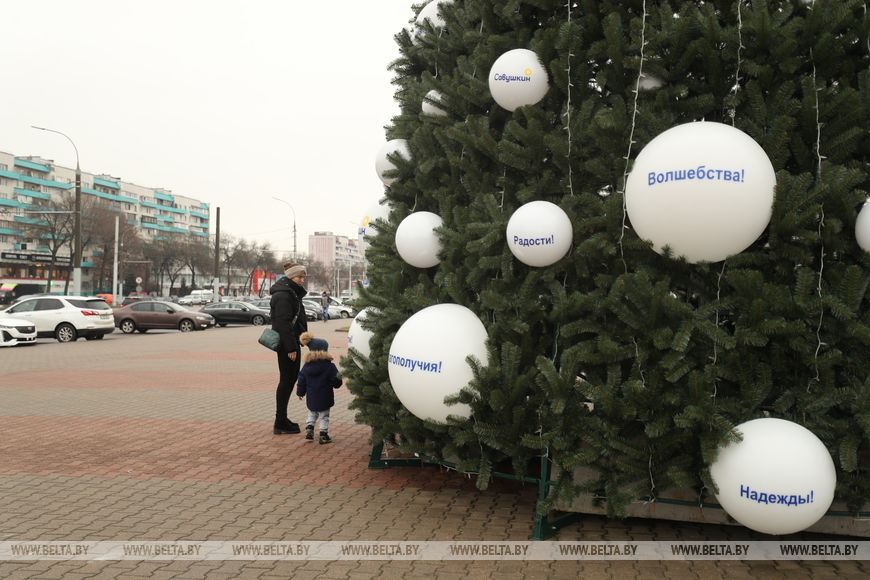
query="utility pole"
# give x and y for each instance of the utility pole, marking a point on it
(217, 255)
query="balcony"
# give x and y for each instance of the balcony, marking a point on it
(157, 206)
(106, 183)
(31, 193)
(31, 165)
(108, 196)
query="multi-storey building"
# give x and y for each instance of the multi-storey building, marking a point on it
(343, 256)
(30, 183)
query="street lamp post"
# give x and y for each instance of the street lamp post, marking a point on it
(293, 211)
(77, 218)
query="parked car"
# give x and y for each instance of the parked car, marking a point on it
(197, 297)
(234, 312)
(12, 291)
(107, 298)
(15, 331)
(66, 318)
(144, 316)
(134, 297)
(336, 308)
(311, 312)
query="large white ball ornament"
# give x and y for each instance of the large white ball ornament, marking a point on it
(703, 189)
(862, 227)
(539, 233)
(427, 359)
(779, 479)
(430, 107)
(377, 211)
(357, 336)
(430, 12)
(416, 240)
(383, 163)
(518, 78)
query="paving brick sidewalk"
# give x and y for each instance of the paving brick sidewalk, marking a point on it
(167, 436)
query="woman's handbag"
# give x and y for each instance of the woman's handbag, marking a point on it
(270, 339)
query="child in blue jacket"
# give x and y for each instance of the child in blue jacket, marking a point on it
(317, 380)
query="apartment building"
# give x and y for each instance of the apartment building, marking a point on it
(343, 256)
(30, 183)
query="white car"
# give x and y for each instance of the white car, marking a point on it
(16, 331)
(336, 308)
(197, 297)
(66, 318)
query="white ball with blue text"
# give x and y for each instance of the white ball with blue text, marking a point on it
(416, 240)
(780, 479)
(517, 78)
(384, 164)
(705, 190)
(427, 360)
(539, 233)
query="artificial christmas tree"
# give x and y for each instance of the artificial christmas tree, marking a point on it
(633, 365)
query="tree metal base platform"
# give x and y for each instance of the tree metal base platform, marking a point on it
(543, 528)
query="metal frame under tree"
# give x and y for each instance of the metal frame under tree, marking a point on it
(544, 526)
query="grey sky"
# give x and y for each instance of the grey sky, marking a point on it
(230, 102)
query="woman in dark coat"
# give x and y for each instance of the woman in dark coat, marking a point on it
(288, 320)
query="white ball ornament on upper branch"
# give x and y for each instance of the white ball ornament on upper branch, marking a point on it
(382, 162)
(703, 189)
(378, 210)
(862, 227)
(430, 12)
(416, 240)
(539, 233)
(433, 104)
(780, 479)
(427, 360)
(517, 78)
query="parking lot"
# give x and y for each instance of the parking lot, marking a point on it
(168, 436)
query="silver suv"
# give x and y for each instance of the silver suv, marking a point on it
(66, 318)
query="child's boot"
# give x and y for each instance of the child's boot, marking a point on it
(324, 438)
(309, 432)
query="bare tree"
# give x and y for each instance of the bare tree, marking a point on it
(320, 275)
(258, 257)
(232, 252)
(53, 226)
(100, 233)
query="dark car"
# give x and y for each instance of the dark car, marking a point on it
(146, 315)
(234, 312)
(311, 312)
(12, 291)
(133, 297)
